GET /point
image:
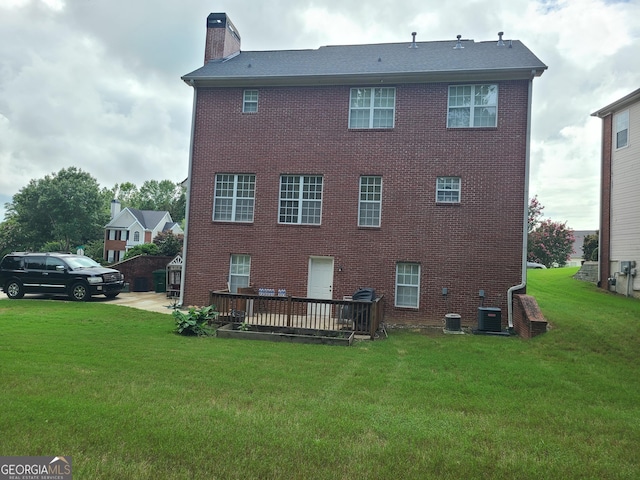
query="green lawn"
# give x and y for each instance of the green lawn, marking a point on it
(126, 398)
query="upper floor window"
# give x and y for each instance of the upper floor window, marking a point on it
(448, 189)
(300, 199)
(239, 272)
(250, 101)
(370, 203)
(136, 236)
(372, 107)
(472, 106)
(234, 198)
(407, 285)
(622, 129)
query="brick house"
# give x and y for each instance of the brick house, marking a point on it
(131, 227)
(401, 167)
(619, 244)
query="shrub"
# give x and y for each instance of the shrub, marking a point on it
(196, 321)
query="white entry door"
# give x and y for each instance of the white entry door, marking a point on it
(320, 284)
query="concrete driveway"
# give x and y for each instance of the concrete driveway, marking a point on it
(151, 301)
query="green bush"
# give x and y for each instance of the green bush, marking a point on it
(195, 321)
(142, 249)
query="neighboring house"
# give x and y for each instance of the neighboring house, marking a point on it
(400, 167)
(576, 258)
(131, 227)
(620, 196)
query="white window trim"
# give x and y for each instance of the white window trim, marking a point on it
(438, 190)
(300, 199)
(232, 274)
(234, 199)
(246, 102)
(372, 108)
(624, 117)
(472, 105)
(417, 306)
(361, 202)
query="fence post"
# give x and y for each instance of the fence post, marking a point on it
(289, 308)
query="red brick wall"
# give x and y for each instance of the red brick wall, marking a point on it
(303, 130)
(605, 202)
(528, 321)
(138, 271)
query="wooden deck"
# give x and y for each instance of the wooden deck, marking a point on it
(362, 317)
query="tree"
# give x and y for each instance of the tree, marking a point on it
(590, 247)
(535, 213)
(142, 249)
(66, 207)
(163, 195)
(169, 244)
(549, 242)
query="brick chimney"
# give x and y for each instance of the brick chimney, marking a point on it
(223, 40)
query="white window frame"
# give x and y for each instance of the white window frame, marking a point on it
(621, 124)
(367, 104)
(446, 187)
(239, 272)
(370, 201)
(471, 100)
(402, 275)
(239, 205)
(136, 236)
(300, 199)
(250, 101)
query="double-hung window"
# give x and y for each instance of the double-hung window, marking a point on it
(250, 101)
(370, 203)
(372, 107)
(472, 106)
(300, 199)
(407, 285)
(234, 198)
(448, 189)
(239, 272)
(622, 129)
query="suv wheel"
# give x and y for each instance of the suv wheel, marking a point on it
(14, 289)
(80, 292)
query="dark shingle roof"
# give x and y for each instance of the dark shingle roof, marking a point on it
(430, 61)
(149, 219)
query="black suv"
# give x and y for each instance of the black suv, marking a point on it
(57, 273)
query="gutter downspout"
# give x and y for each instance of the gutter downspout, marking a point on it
(525, 227)
(189, 182)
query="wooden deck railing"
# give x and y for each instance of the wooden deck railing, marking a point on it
(362, 317)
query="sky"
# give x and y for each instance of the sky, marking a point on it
(96, 84)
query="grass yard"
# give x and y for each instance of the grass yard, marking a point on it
(127, 399)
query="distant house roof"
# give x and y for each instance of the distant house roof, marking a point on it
(149, 219)
(374, 63)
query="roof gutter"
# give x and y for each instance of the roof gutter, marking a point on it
(525, 218)
(362, 78)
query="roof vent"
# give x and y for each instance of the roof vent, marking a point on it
(458, 43)
(500, 42)
(413, 42)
